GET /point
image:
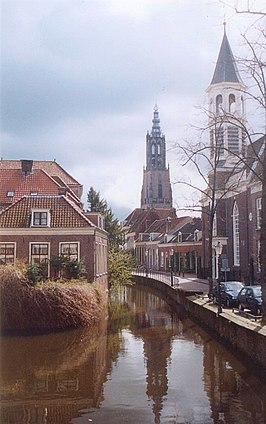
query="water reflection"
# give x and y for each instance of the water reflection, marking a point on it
(149, 363)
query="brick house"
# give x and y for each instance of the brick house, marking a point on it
(171, 243)
(45, 219)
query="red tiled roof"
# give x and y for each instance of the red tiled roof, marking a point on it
(51, 167)
(64, 214)
(13, 181)
(140, 219)
(14, 184)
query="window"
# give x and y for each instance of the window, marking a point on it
(7, 253)
(160, 191)
(258, 256)
(232, 103)
(258, 213)
(214, 225)
(233, 139)
(153, 149)
(159, 149)
(219, 103)
(10, 194)
(236, 245)
(179, 237)
(161, 259)
(71, 250)
(39, 255)
(40, 218)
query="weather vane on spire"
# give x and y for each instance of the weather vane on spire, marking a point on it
(224, 24)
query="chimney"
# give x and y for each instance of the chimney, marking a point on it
(26, 166)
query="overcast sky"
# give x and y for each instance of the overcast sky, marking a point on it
(80, 79)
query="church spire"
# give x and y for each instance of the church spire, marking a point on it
(156, 130)
(226, 69)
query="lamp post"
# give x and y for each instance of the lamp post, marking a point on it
(218, 251)
(171, 266)
(146, 262)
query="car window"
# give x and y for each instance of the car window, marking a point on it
(234, 286)
(257, 291)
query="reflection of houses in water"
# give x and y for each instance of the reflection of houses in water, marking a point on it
(54, 386)
(234, 397)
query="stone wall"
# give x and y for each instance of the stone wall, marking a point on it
(247, 337)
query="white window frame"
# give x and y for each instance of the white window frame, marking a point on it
(5, 255)
(48, 221)
(258, 256)
(70, 242)
(236, 238)
(32, 243)
(258, 212)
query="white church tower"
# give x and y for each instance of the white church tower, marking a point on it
(226, 107)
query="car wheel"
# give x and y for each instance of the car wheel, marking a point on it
(240, 307)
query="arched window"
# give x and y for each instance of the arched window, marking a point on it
(232, 103)
(160, 191)
(242, 105)
(219, 103)
(152, 149)
(236, 245)
(159, 149)
(211, 105)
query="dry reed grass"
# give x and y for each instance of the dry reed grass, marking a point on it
(53, 306)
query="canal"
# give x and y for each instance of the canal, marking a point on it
(147, 363)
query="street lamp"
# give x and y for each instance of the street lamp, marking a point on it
(171, 266)
(146, 262)
(218, 251)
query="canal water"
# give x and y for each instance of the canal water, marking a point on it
(147, 363)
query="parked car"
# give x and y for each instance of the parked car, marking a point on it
(229, 291)
(250, 298)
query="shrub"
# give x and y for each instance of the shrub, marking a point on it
(46, 307)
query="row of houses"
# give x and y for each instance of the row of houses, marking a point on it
(42, 217)
(162, 241)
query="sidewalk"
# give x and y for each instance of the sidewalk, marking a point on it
(188, 282)
(191, 283)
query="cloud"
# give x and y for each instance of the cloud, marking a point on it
(80, 79)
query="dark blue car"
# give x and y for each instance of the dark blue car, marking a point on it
(229, 291)
(250, 298)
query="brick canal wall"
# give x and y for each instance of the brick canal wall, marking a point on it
(248, 337)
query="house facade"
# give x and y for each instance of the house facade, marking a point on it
(41, 224)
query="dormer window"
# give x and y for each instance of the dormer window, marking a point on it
(10, 194)
(40, 218)
(179, 237)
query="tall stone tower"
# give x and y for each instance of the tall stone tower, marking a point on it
(156, 188)
(226, 106)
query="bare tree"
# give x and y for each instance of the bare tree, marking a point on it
(205, 158)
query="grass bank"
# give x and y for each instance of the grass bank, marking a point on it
(48, 306)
